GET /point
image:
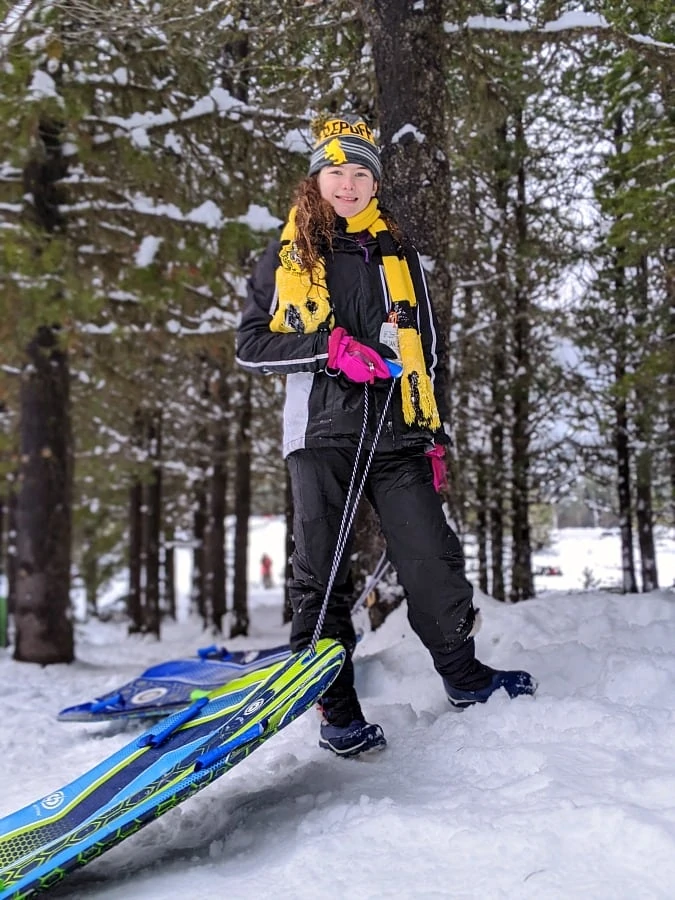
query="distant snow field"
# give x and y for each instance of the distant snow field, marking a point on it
(586, 558)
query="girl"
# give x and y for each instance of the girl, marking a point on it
(330, 306)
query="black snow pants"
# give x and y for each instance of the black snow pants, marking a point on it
(423, 549)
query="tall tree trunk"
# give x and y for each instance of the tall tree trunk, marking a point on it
(464, 423)
(242, 513)
(622, 450)
(12, 568)
(199, 536)
(522, 581)
(169, 598)
(135, 601)
(44, 631)
(497, 483)
(217, 566)
(645, 520)
(643, 459)
(498, 368)
(482, 523)
(153, 528)
(621, 422)
(90, 571)
(670, 384)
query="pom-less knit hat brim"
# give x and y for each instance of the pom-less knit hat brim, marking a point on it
(346, 140)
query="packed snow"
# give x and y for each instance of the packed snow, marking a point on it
(568, 794)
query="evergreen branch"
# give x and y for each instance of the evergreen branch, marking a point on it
(521, 33)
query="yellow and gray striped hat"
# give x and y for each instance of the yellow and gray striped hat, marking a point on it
(345, 140)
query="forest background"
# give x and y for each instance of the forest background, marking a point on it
(148, 152)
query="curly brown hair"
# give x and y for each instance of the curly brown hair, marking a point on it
(315, 223)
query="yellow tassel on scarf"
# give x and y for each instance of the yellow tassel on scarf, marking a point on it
(304, 304)
(419, 403)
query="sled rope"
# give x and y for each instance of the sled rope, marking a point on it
(349, 511)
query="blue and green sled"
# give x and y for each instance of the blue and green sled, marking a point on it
(41, 843)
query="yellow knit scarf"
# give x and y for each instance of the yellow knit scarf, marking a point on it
(304, 304)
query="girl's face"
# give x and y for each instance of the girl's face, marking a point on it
(348, 188)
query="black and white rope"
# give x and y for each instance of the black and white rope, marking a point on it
(350, 507)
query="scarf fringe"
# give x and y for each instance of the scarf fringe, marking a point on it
(419, 402)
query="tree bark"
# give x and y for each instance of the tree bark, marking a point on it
(644, 414)
(621, 421)
(482, 524)
(90, 572)
(134, 600)
(242, 513)
(152, 528)
(44, 630)
(169, 598)
(670, 383)
(198, 595)
(522, 581)
(12, 573)
(497, 482)
(622, 450)
(216, 571)
(217, 568)
(499, 368)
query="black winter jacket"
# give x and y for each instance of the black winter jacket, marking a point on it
(323, 411)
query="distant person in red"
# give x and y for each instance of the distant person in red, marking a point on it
(266, 571)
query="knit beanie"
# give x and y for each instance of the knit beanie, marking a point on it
(345, 140)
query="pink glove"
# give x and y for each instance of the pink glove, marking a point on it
(357, 361)
(439, 467)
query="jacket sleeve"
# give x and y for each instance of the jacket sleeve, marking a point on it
(265, 351)
(434, 342)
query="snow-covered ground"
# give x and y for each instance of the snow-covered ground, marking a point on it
(570, 794)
